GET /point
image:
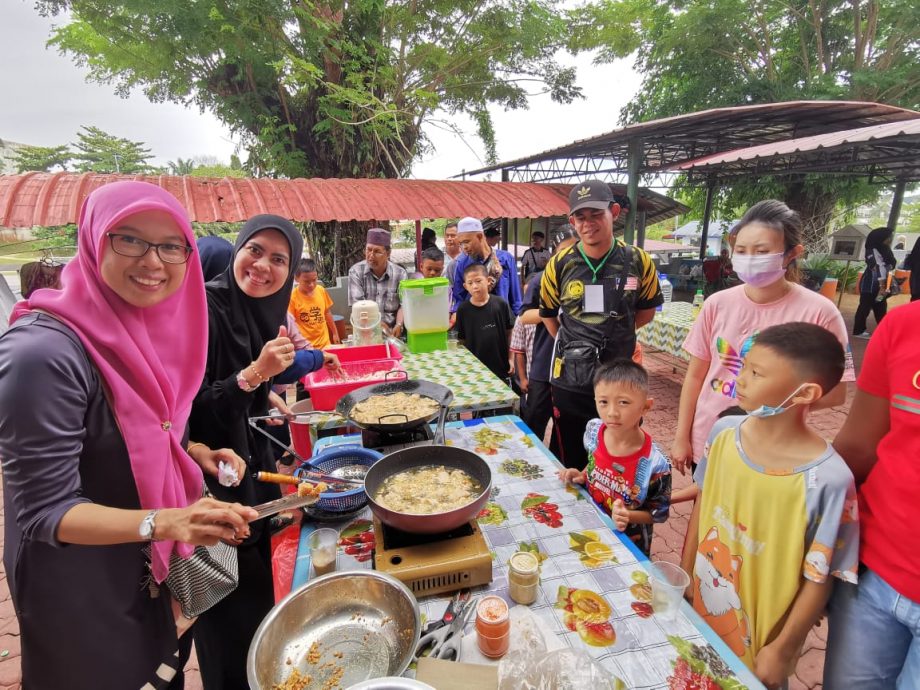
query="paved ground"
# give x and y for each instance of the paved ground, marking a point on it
(666, 381)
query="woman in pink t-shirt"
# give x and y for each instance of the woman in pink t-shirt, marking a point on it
(766, 243)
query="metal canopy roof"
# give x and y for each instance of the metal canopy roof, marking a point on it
(884, 153)
(671, 141)
(44, 199)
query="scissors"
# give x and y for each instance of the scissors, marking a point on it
(442, 638)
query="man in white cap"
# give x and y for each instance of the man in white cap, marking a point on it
(377, 278)
(499, 265)
(593, 297)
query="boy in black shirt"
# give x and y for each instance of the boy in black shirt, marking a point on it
(484, 323)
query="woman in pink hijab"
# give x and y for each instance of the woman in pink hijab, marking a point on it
(96, 384)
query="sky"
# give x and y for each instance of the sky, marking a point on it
(46, 98)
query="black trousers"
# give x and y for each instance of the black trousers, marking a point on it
(572, 410)
(867, 303)
(223, 633)
(538, 407)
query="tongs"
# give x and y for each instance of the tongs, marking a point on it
(304, 474)
(313, 477)
(285, 503)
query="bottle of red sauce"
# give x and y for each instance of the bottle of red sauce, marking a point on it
(493, 626)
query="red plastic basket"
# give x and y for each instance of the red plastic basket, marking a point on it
(364, 353)
(326, 391)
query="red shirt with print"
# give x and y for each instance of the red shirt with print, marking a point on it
(889, 499)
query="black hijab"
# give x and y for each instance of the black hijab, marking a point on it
(216, 254)
(238, 328)
(876, 240)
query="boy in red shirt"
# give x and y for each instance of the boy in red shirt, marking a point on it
(874, 634)
(627, 475)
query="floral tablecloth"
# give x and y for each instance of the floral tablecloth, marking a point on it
(475, 388)
(669, 329)
(594, 584)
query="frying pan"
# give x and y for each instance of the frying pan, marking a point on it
(397, 423)
(420, 456)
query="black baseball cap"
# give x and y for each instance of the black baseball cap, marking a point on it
(590, 194)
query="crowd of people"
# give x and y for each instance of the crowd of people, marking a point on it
(156, 350)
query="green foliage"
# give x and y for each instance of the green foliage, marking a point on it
(700, 54)
(41, 158)
(99, 151)
(325, 88)
(216, 170)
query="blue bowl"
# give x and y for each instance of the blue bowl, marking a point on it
(332, 459)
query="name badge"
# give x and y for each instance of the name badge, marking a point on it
(594, 299)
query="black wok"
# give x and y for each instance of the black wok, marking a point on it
(396, 423)
(419, 456)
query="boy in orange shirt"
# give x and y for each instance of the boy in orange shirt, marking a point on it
(311, 307)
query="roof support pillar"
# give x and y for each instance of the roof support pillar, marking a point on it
(896, 202)
(633, 162)
(707, 214)
(640, 231)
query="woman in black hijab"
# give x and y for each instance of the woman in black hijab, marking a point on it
(880, 261)
(247, 347)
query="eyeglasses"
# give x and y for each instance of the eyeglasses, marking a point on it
(169, 252)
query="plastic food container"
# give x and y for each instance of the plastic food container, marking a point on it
(524, 577)
(326, 390)
(426, 304)
(493, 627)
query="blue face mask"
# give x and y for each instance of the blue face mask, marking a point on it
(770, 411)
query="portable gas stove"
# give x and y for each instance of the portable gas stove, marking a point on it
(389, 442)
(433, 563)
(425, 563)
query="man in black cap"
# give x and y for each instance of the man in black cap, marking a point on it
(593, 297)
(493, 236)
(377, 279)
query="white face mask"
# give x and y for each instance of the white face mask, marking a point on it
(758, 270)
(770, 411)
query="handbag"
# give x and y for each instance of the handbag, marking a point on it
(203, 579)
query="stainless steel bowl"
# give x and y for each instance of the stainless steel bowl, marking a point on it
(364, 625)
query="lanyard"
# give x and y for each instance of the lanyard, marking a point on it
(596, 269)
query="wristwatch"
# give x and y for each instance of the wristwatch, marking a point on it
(244, 385)
(148, 525)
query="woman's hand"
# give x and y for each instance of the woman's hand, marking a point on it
(572, 476)
(620, 515)
(681, 454)
(209, 460)
(205, 522)
(276, 355)
(276, 402)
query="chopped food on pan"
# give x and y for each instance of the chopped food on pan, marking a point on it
(428, 490)
(405, 407)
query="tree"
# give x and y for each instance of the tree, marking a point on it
(41, 158)
(180, 166)
(98, 151)
(701, 54)
(326, 88)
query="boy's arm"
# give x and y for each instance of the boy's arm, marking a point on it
(868, 421)
(520, 365)
(330, 325)
(691, 544)
(774, 660)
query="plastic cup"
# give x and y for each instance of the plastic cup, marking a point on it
(453, 343)
(668, 585)
(323, 545)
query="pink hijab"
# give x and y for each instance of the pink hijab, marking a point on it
(151, 359)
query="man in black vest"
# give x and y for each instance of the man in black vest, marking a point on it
(593, 297)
